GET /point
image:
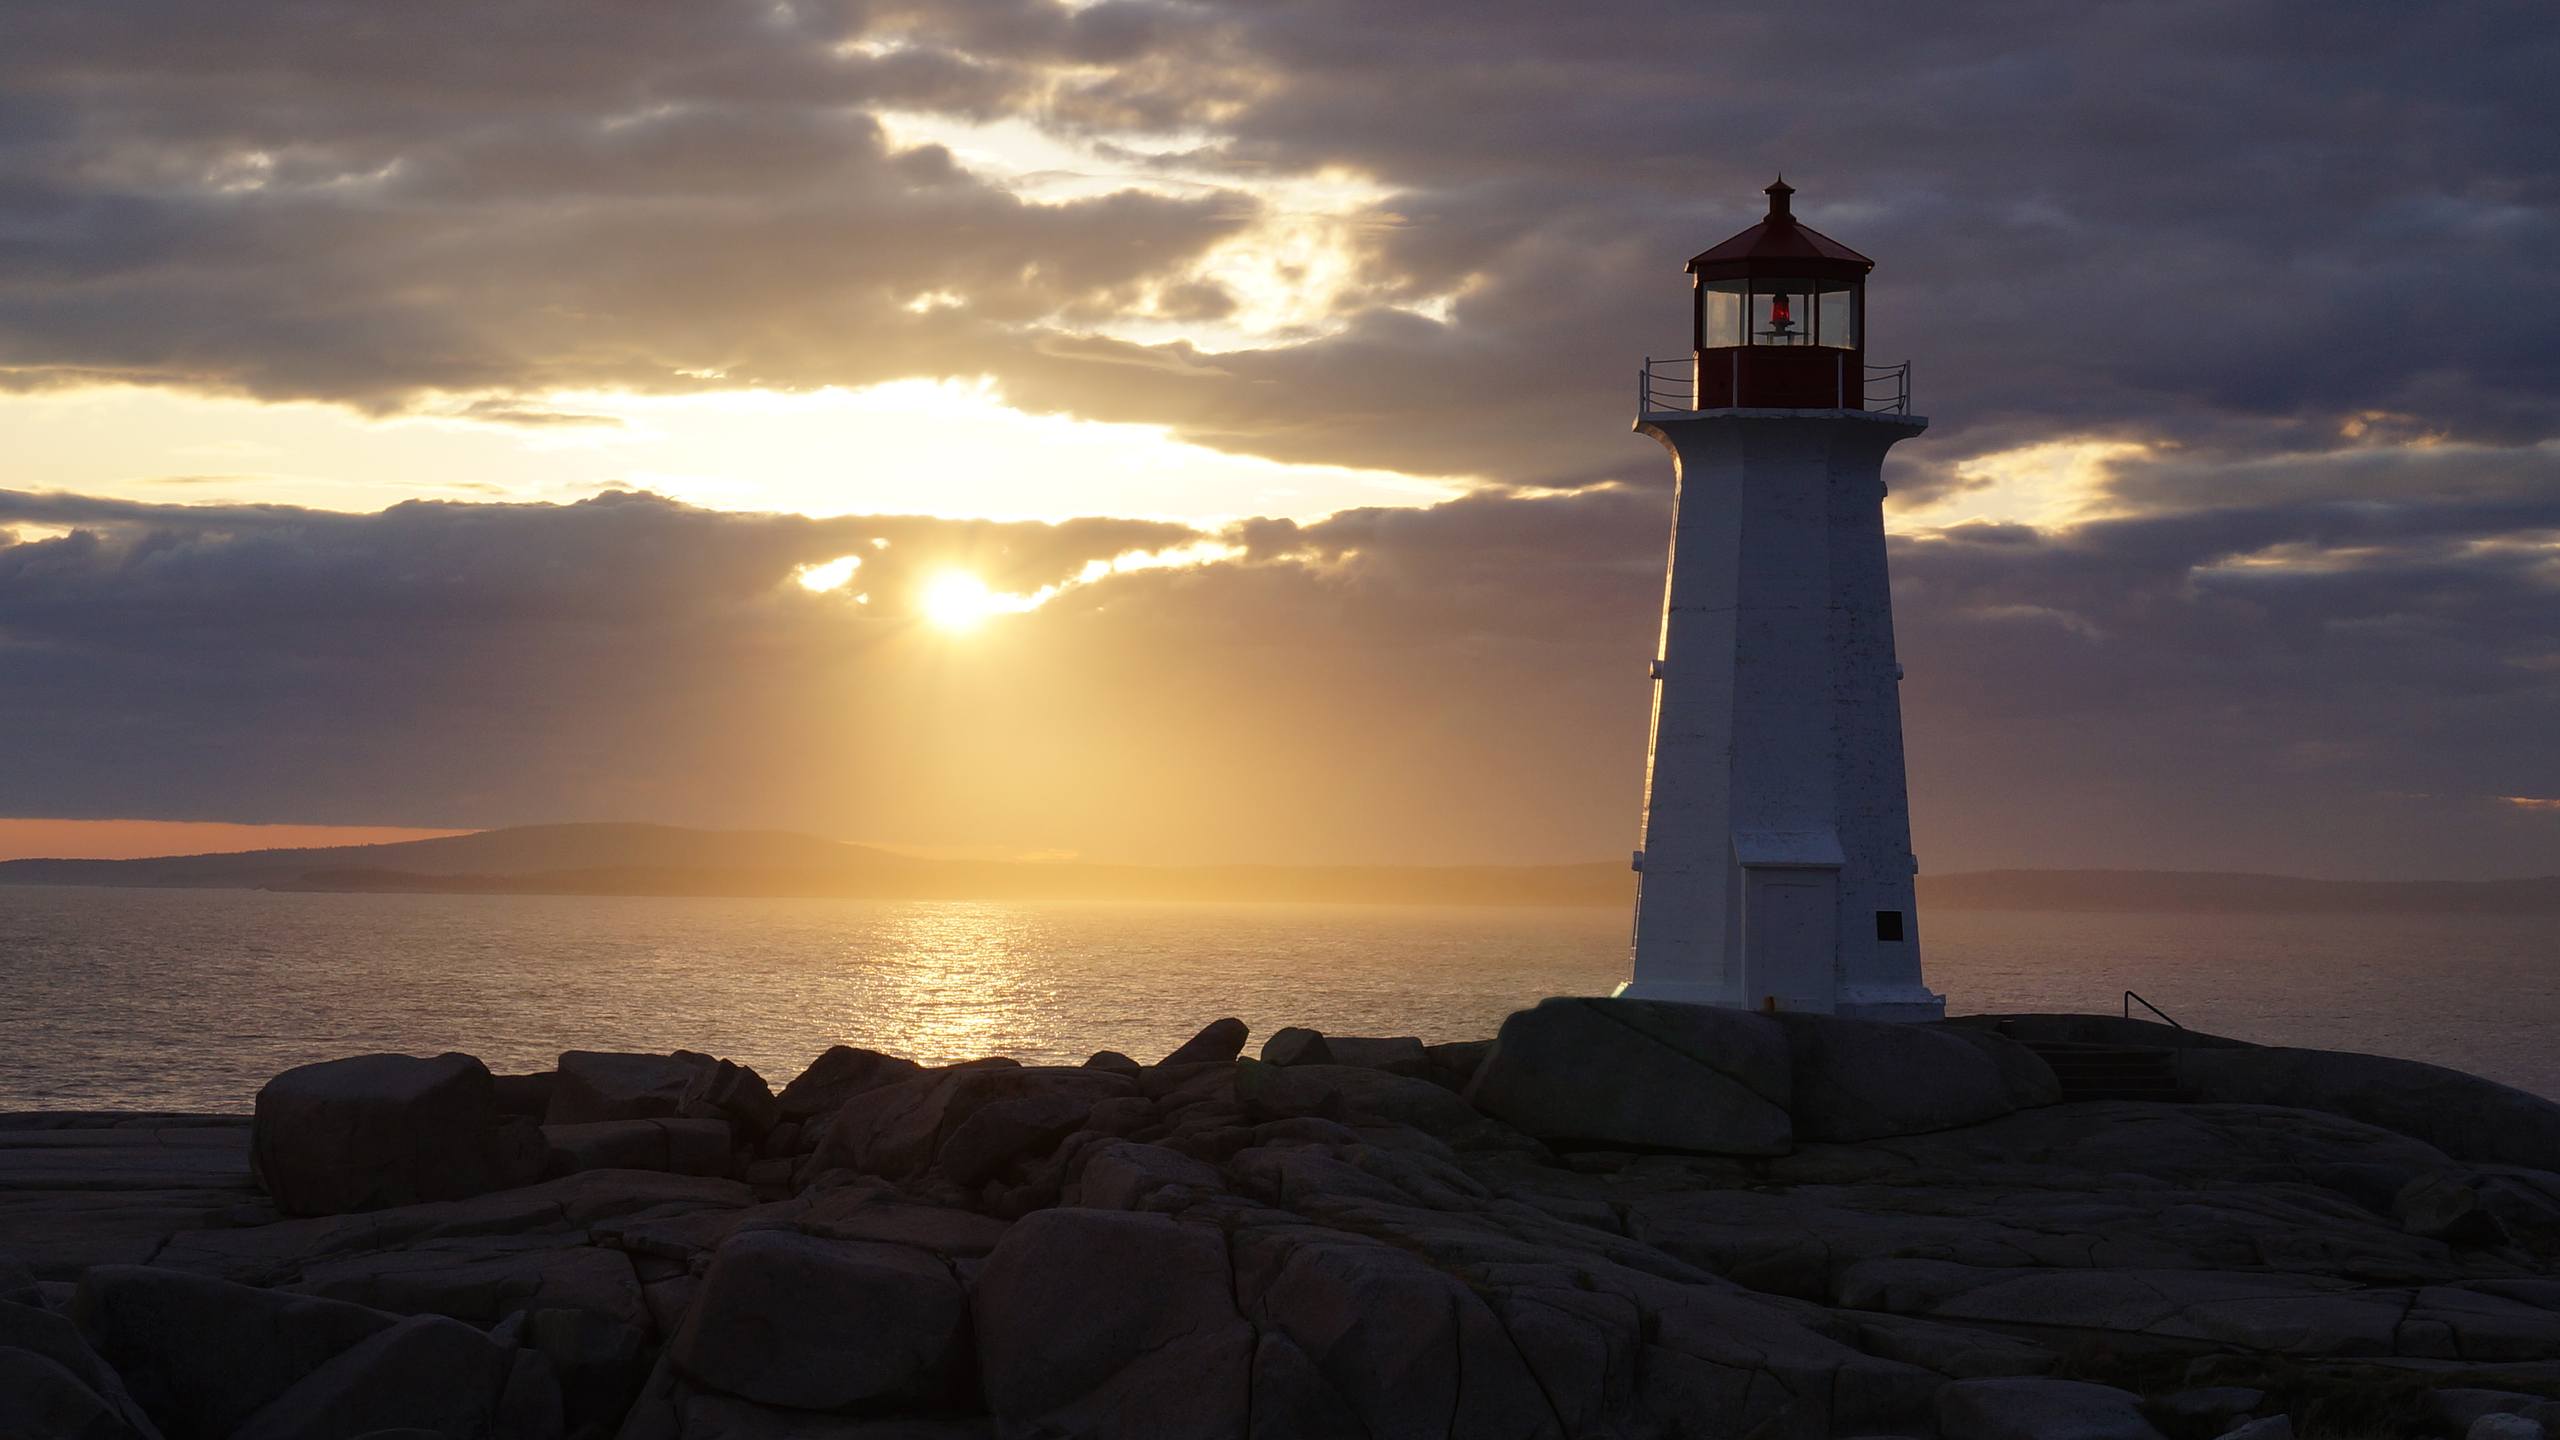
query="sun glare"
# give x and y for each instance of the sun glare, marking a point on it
(958, 601)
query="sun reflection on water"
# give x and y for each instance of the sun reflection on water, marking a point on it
(189, 1000)
(967, 973)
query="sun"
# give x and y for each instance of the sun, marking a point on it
(958, 601)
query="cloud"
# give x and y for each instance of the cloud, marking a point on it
(2272, 279)
(2328, 687)
(2174, 224)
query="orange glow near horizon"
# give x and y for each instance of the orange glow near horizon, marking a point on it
(42, 839)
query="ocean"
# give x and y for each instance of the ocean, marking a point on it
(190, 999)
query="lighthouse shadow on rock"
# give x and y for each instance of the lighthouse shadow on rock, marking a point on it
(1776, 868)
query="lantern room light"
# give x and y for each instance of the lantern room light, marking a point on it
(1781, 320)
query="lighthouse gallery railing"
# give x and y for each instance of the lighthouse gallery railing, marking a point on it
(1672, 385)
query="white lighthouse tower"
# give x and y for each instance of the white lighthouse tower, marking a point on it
(1776, 864)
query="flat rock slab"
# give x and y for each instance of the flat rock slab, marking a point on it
(2039, 1409)
(485, 1282)
(126, 1158)
(110, 1190)
(2463, 1115)
(568, 1211)
(57, 1234)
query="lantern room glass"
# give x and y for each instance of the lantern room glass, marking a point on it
(1720, 323)
(1780, 312)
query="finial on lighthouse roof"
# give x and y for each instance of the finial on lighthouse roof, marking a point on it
(1778, 191)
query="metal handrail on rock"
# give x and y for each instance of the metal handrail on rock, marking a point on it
(2132, 999)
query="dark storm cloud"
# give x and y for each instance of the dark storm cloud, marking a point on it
(2340, 686)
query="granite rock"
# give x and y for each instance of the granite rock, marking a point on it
(1217, 1040)
(1094, 1322)
(838, 1075)
(898, 1130)
(52, 1384)
(1641, 1074)
(1296, 1045)
(200, 1355)
(1868, 1080)
(2463, 1115)
(379, 1130)
(2025, 1408)
(599, 1085)
(1353, 1095)
(813, 1324)
(426, 1372)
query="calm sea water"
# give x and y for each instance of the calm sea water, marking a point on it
(169, 999)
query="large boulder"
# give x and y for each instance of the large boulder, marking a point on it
(1641, 1074)
(789, 1319)
(1100, 1322)
(42, 1400)
(53, 1385)
(1400, 1346)
(1127, 1175)
(898, 1131)
(1217, 1040)
(995, 1136)
(203, 1355)
(427, 1373)
(377, 1130)
(596, 1085)
(598, 1362)
(838, 1075)
(1454, 1062)
(2024, 1076)
(683, 1146)
(1353, 1096)
(2463, 1115)
(725, 1090)
(1871, 1079)
(1395, 1054)
(1296, 1045)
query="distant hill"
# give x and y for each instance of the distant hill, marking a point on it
(2214, 892)
(671, 860)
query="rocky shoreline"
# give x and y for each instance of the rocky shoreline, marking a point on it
(1618, 1219)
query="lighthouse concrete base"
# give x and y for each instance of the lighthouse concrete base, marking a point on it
(1899, 1005)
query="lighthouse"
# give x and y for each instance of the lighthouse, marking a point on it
(1775, 866)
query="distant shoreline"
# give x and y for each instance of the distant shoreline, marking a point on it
(658, 860)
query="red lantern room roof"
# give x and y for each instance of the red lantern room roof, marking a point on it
(1779, 246)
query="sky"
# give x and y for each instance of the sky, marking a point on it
(1175, 432)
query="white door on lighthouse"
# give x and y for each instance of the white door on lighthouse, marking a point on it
(1789, 923)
